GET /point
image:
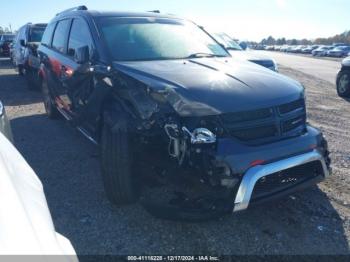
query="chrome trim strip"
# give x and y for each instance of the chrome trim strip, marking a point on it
(64, 114)
(85, 133)
(255, 173)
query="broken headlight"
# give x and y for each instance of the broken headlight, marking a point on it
(200, 135)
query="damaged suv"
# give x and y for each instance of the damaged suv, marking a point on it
(181, 126)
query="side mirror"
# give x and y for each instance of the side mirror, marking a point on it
(22, 43)
(82, 55)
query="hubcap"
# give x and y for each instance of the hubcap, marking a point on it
(344, 82)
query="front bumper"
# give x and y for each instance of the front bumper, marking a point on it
(251, 177)
(251, 163)
(279, 160)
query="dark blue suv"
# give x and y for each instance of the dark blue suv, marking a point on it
(181, 126)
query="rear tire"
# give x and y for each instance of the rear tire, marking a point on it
(20, 69)
(31, 85)
(50, 108)
(343, 84)
(116, 164)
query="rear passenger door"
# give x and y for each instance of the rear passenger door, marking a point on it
(59, 64)
(79, 84)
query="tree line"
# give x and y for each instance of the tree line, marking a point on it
(5, 30)
(340, 38)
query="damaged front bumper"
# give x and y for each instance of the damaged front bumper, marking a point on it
(246, 187)
(276, 169)
(257, 173)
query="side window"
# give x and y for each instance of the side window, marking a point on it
(79, 36)
(47, 37)
(60, 36)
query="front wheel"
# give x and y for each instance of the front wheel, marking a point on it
(116, 164)
(343, 84)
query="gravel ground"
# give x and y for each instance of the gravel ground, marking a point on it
(315, 221)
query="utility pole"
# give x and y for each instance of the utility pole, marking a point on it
(10, 27)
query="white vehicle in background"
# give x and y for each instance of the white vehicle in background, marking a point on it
(238, 53)
(26, 226)
(5, 124)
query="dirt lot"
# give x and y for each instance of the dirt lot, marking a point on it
(315, 221)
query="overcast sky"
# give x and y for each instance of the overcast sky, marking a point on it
(243, 19)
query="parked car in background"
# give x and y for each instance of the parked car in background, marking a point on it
(284, 48)
(339, 51)
(321, 51)
(154, 88)
(238, 53)
(343, 79)
(338, 44)
(309, 49)
(289, 49)
(297, 49)
(5, 41)
(12, 52)
(5, 127)
(25, 57)
(277, 48)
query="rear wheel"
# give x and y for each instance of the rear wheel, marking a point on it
(50, 108)
(116, 164)
(343, 84)
(30, 78)
(20, 69)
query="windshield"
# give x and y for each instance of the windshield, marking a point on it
(36, 33)
(137, 39)
(227, 41)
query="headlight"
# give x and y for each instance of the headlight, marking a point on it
(1, 109)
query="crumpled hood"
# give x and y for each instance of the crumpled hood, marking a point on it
(210, 86)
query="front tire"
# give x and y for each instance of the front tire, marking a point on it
(343, 84)
(116, 164)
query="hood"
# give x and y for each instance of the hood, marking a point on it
(210, 86)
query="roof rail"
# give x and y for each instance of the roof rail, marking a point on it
(77, 8)
(154, 11)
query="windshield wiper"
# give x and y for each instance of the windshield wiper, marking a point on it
(199, 55)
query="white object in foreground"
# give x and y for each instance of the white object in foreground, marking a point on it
(26, 226)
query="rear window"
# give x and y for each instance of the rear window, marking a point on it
(47, 36)
(59, 41)
(36, 34)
